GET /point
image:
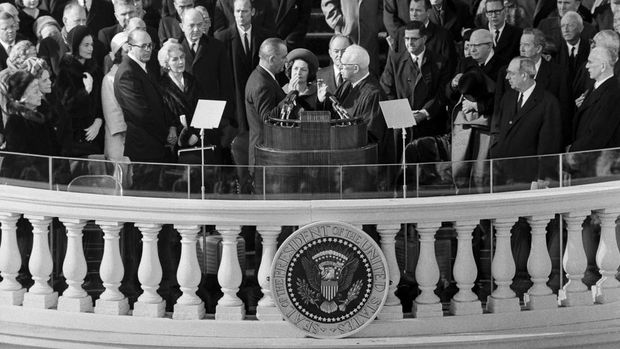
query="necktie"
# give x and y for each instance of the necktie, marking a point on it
(519, 102)
(338, 79)
(416, 69)
(440, 13)
(195, 47)
(246, 44)
(496, 36)
(571, 59)
(10, 48)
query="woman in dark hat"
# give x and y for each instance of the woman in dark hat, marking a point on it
(301, 69)
(471, 131)
(26, 129)
(78, 86)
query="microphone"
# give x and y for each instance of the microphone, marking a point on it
(342, 113)
(288, 105)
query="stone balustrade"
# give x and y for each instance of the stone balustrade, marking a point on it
(389, 215)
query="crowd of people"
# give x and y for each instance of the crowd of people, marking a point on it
(484, 79)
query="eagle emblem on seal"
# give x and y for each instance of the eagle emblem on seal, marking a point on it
(329, 278)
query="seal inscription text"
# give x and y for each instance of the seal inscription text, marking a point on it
(329, 279)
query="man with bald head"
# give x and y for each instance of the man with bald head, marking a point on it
(482, 53)
(360, 95)
(608, 39)
(262, 91)
(597, 124)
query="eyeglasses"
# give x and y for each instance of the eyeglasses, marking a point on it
(413, 39)
(491, 13)
(148, 46)
(480, 44)
(592, 43)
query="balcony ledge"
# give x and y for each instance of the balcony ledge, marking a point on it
(597, 325)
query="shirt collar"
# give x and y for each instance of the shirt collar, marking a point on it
(599, 83)
(268, 71)
(141, 64)
(419, 57)
(491, 54)
(360, 80)
(527, 93)
(576, 46)
(241, 31)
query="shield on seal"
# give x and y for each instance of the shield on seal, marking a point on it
(329, 288)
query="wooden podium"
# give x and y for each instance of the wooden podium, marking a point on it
(301, 156)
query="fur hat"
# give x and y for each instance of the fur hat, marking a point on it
(17, 84)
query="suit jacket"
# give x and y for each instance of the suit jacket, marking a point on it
(55, 7)
(242, 65)
(508, 45)
(456, 17)
(533, 130)
(363, 101)
(552, 78)
(562, 59)
(145, 114)
(423, 89)
(262, 95)
(329, 78)
(438, 40)
(603, 17)
(395, 15)
(291, 20)
(100, 15)
(597, 120)
(170, 27)
(358, 19)
(211, 65)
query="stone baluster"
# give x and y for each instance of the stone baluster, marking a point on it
(465, 301)
(427, 303)
(149, 304)
(503, 299)
(229, 276)
(392, 310)
(266, 309)
(189, 306)
(11, 291)
(111, 301)
(575, 292)
(607, 289)
(74, 298)
(40, 295)
(539, 296)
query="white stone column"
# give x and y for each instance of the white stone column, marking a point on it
(427, 304)
(149, 304)
(465, 301)
(111, 271)
(539, 296)
(575, 292)
(503, 299)
(74, 298)
(229, 307)
(266, 309)
(189, 306)
(607, 289)
(392, 310)
(40, 295)
(11, 291)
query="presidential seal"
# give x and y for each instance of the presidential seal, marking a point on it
(329, 279)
